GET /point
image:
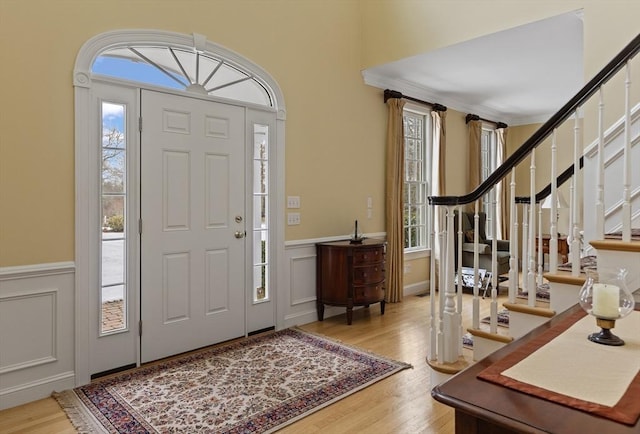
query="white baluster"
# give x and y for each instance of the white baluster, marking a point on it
(575, 235)
(599, 229)
(476, 264)
(626, 199)
(531, 283)
(513, 235)
(540, 257)
(459, 287)
(525, 246)
(433, 335)
(553, 242)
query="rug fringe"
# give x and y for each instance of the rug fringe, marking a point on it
(82, 420)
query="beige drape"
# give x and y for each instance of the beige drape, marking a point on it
(474, 161)
(502, 192)
(394, 201)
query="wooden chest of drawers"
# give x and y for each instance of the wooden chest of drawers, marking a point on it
(350, 275)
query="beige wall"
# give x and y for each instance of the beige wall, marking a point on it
(315, 49)
(335, 124)
(394, 29)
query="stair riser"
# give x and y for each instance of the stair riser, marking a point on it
(627, 260)
(483, 347)
(522, 323)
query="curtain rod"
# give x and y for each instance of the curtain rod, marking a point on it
(395, 94)
(472, 117)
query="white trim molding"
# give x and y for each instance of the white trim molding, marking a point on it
(26, 271)
(36, 331)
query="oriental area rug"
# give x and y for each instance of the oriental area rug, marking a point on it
(253, 385)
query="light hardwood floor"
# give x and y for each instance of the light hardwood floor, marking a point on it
(401, 403)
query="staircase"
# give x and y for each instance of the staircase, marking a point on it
(604, 210)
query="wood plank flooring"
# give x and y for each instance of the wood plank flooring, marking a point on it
(401, 403)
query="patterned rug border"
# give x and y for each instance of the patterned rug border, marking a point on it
(85, 421)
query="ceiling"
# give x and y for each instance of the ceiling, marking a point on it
(519, 76)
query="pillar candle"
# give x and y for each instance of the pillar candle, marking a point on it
(606, 300)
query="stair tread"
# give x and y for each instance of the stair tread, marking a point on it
(561, 276)
(616, 245)
(524, 308)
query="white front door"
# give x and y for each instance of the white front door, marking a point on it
(193, 223)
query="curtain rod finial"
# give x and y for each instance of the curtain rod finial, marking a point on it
(471, 117)
(391, 94)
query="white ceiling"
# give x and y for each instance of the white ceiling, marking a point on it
(518, 76)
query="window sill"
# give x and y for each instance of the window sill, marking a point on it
(416, 254)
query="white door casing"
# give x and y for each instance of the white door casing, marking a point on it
(193, 224)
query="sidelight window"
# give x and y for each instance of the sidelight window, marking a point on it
(260, 212)
(113, 218)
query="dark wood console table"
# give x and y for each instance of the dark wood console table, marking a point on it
(485, 407)
(350, 275)
(563, 248)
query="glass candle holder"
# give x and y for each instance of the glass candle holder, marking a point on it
(605, 295)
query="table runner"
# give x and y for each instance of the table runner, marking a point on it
(584, 375)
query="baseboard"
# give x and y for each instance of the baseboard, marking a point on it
(39, 389)
(416, 288)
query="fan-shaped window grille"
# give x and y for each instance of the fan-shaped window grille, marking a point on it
(184, 69)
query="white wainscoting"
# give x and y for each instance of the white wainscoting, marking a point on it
(36, 331)
(300, 284)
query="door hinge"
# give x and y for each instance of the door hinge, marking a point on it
(140, 226)
(140, 328)
(140, 123)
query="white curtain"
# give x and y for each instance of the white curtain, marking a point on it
(437, 173)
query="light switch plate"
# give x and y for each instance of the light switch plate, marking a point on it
(293, 202)
(293, 218)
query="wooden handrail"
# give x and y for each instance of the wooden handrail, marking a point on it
(561, 179)
(546, 129)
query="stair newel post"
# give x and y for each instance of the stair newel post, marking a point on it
(626, 200)
(573, 204)
(525, 246)
(599, 229)
(513, 239)
(450, 316)
(432, 284)
(476, 264)
(531, 278)
(553, 242)
(442, 273)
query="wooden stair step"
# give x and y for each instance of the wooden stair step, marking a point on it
(523, 308)
(565, 277)
(616, 245)
(491, 336)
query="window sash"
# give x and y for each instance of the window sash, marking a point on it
(417, 142)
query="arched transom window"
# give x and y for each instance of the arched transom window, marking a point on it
(184, 69)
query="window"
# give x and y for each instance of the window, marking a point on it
(417, 176)
(489, 163)
(182, 69)
(113, 288)
(260, 212)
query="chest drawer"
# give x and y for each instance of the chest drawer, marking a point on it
(368, 256)
(370, 274)
(368, 293)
